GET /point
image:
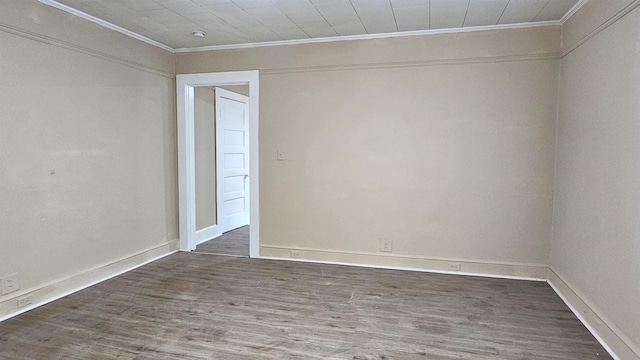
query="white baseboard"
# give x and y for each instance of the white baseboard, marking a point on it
(520, 271)
(58, 288)
(609, 336)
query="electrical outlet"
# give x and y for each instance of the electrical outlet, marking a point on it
(25, 301)
(10, 284)
(386, 245)
(455, 266)
(296, 254)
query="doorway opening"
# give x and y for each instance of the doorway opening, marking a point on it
(231, 243)
(221, 116)
(218, 161)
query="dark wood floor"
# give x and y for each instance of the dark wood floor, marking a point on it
(198, 306)
(232, 243)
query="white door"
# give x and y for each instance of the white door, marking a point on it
(232, 138)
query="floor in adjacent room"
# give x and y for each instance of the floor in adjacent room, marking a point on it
(232, 243)
(201, 306)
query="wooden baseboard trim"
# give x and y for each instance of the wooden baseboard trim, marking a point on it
(61, 287)
(609, 336)
(536, 272)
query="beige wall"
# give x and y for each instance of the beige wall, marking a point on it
(88, 151)
(205, 156)
(444, 144)
(596, 246)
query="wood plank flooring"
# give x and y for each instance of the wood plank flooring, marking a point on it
(198, 306)
(232, 243)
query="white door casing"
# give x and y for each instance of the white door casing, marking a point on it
(232, 158)
(185, 84)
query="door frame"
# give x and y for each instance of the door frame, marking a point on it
(185, 84)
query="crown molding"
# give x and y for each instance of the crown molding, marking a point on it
(368, 36)
(134, 35)
(573, 10)
(105, 24)
(620, 14)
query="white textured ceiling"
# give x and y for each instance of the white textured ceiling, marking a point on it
(170, 22)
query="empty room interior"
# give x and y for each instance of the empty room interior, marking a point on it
(320, 179)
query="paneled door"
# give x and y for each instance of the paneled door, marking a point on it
(232, 138)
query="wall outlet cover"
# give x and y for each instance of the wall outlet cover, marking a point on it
(10, 284)
(386, 245)
(25, 301)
